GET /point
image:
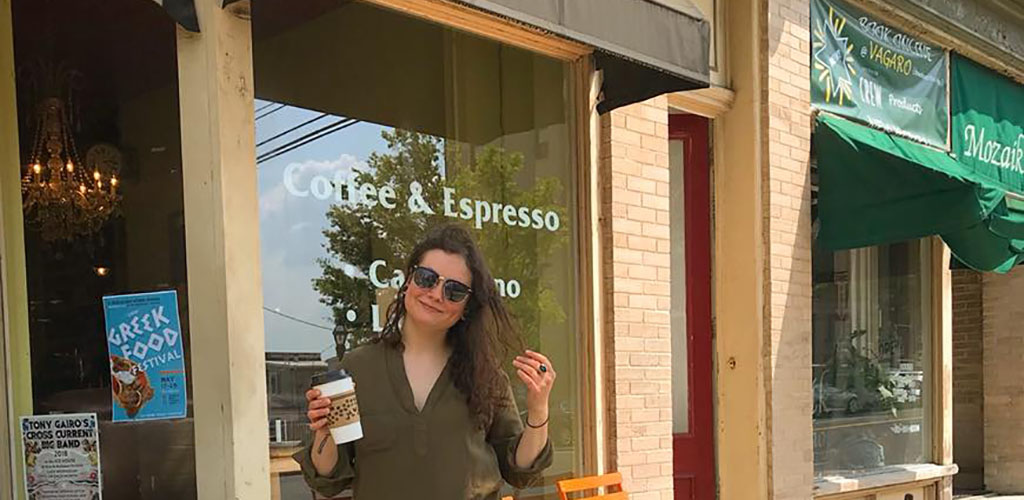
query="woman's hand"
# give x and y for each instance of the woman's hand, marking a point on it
(536, 372)
(318, 408)
(324, 457)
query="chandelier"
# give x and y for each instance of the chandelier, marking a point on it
(63, 198)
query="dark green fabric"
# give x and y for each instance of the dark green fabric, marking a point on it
(996, 244)
(433, 453)
(988, 123)
(876, 189)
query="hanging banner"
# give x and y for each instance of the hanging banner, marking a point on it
(988, 123)
(62, 457)
(147, 362)
(864, 69)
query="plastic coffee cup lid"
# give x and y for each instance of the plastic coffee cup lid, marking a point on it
(328, 376)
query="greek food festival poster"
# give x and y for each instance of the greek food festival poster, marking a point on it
(147, 362)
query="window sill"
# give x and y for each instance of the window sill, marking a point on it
(880, 478)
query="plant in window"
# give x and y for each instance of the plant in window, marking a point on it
(853, 381)
(890, 345)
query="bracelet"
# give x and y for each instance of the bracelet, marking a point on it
(538, 426)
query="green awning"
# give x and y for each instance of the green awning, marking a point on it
(876, 188)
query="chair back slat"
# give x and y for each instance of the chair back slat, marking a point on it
(612, 479)
(618, 495)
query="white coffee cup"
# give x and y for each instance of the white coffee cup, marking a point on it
(343, 420)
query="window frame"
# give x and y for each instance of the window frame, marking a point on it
(197, 74)
(583, 139)
(10, 237)
(580, 100)
(940, 410)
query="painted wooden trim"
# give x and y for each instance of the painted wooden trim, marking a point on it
(597, 270)
(876, 493)
(942, 352)
(584, 103)
(15, 357)
(8, 152)
(488, 26)
(913, 476)
(7, 431)
(222, 250)
(943, 489)
(710, 102)
(739, 268)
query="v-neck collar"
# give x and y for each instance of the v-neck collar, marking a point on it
(403, 388)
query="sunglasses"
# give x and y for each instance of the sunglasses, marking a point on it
(427, 278)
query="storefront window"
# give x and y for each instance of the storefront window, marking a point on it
(101, 160)
(371, 127)
(872, 371)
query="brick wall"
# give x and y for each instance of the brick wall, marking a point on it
(634, 180)
(968, 407)
(787, 196)
(1003, 332)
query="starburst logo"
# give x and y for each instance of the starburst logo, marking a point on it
(833, 58)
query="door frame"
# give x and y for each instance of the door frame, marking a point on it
(697, 468)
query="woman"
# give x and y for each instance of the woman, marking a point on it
(439, 420)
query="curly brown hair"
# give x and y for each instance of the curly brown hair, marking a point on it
(482, 340)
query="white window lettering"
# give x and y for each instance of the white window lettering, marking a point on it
(449, 202)
(289, 181)
(551, 221)
(377, 264)
(386, 196)
(321, 187)
(368, 192)
(509, 215)
(512, 289)
(481, 216)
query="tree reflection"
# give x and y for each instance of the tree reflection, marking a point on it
(359, 234)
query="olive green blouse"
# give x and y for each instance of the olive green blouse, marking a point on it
(437, 453)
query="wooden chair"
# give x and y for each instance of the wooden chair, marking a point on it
(610, 481)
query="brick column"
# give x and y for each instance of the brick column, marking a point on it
(1004, 386)
(635, 181)
(968, 382)
(787, 222)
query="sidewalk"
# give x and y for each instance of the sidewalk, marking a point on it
(984, 497)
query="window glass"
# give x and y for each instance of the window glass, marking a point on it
(97, 92)
(372, 126)
(872, 369)
(680, 351)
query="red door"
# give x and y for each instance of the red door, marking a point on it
(693, 439)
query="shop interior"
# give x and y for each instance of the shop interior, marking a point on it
(97, 88)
